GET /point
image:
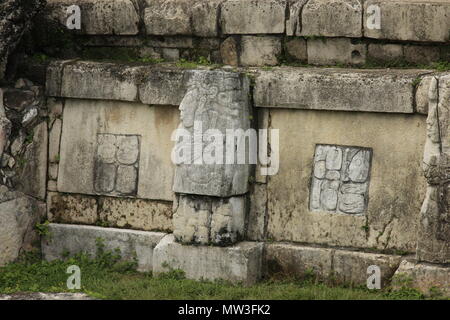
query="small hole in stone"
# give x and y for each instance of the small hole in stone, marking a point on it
(356, 54)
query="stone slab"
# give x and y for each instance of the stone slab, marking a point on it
(416, 20)
(80, 238)
(427, 278)
(253, 16)
(332, 18)
(238, 263)
(343, 266)
(122, 130)
(99, 17)
(331, 89)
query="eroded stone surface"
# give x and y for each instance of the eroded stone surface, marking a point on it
(66, 208)
(329, 51)
(253, 17)
(328, 89)
(19, 215)
(410, 20)
(78, 238)
(434, 226)
(429, 279)
(238, 263)
(205, 220)
(335, 18)
(259, 51)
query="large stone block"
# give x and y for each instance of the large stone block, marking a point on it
(260, 51)
(253, 16)
(147, 215)
(294, 18)
(395, 193)
(216, 103)
(164, 17)
(66, 208)
(330, 89)
(206, 220)
(349, 267)
(99, 17)
(123, 149)
(239, 263)
(331, 51)
(257, 213)
(154, 88)
(295, 260)
(417, 20)
(332, 18)
(98, 80)
(19, 215)
(427, 278)
(75, 239)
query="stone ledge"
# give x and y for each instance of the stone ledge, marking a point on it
(81, 238)
(427, 278)
(390, 91)
(238, 263)
(371, 90)
(341, 265)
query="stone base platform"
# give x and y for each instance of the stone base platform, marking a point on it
(239, 263)
(430, 279)
(74, 239)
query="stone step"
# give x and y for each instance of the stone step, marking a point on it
(158, 252)
(73, 239)
(343, 89)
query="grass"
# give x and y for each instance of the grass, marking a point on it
(107, 277)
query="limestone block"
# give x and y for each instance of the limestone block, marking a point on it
(229, 51)
(330, 89)
(426, 278)
(351, 267)
(253, 16)
(153, 89)
(335, 50)
(19, 215)
(257, 213)
(385, 52)
(259, 51)
(130, 136)
(98, 80)
(78, 238)
(32, 174)
(205, 16)
(216, 102)
(422, 54)
(65, 208)
(137, 214)
(168, 17)
(53, 171)
(205, 220)
(296, 48)
(239, 263)
(332, 18)
(395, 193)
(410, 20)
(99, 17)
(53, 78)
(296, 260)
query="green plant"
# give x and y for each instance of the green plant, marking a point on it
(42, 228)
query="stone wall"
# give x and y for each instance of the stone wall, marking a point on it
(266, 32)
(363, 153)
